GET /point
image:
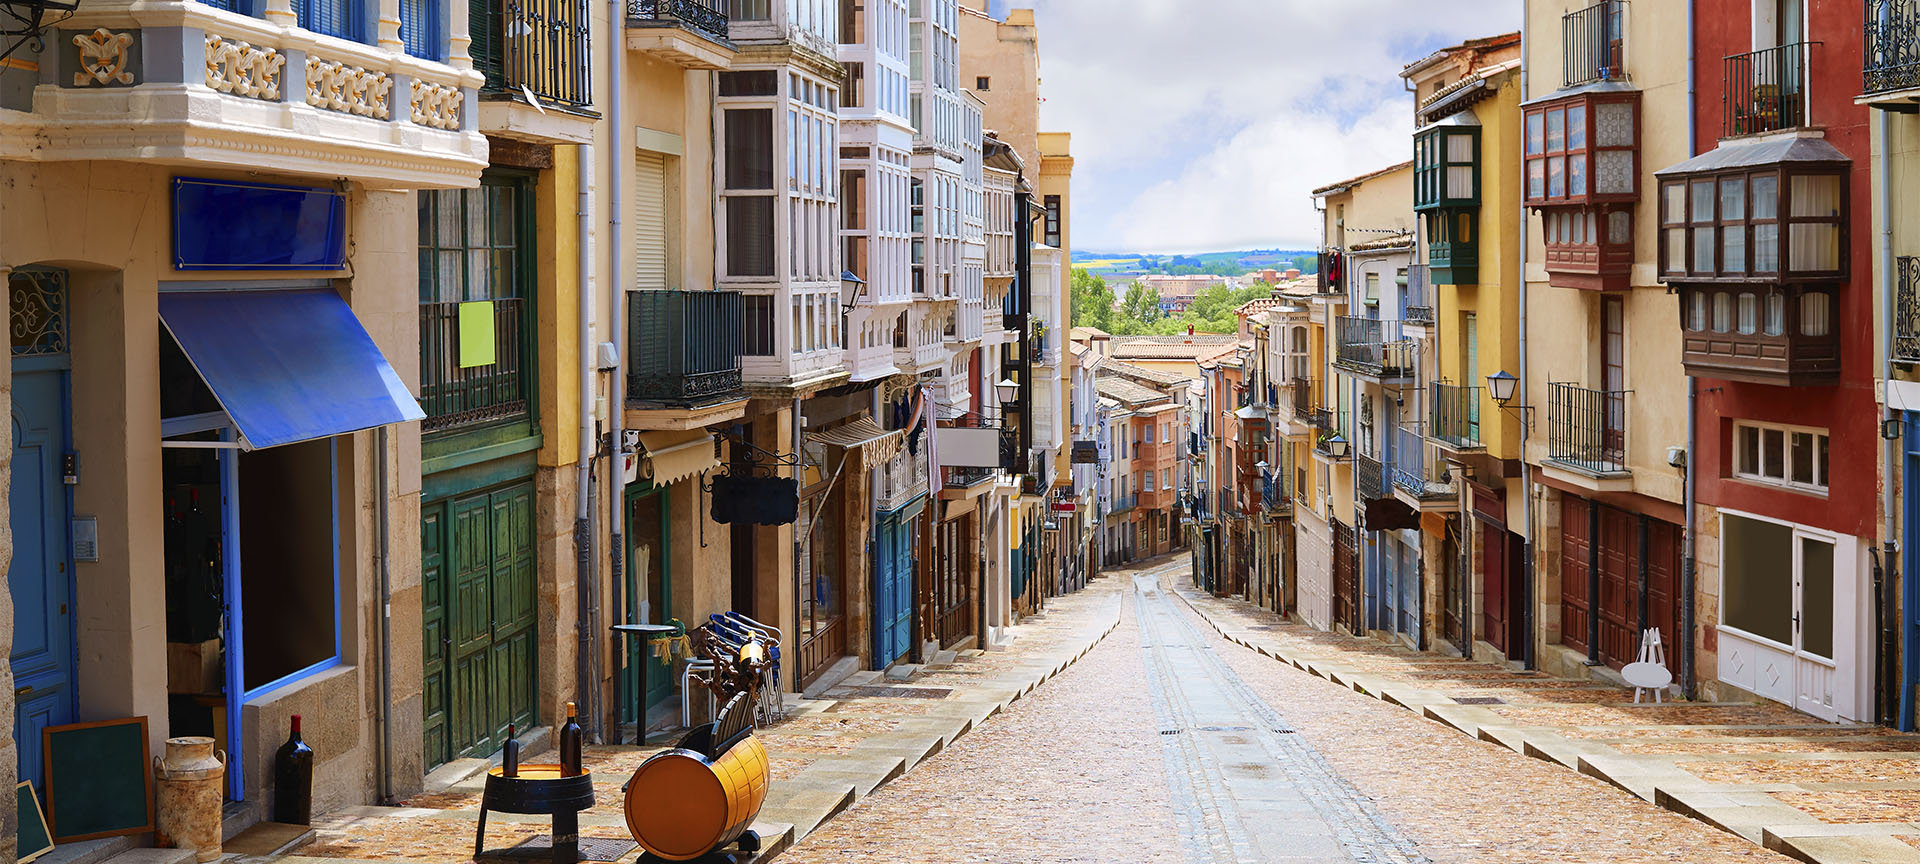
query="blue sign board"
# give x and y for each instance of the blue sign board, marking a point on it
(233, 225)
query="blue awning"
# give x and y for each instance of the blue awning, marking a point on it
(287, 365)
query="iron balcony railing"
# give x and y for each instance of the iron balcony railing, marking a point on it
(1303, 398)
(683, 347)
(1409, 466)
(1587, 429)
(1370, 477)
(701, 16)
(1892, 42)
(454, 395)
(1227, 506)
(1373, 346)
(1766, 91)
(1418, 315)
(1123, 503)
(1323, 419)
(1456, 415)
(1591, 42)
(1906, 311)
(538, 46)
(961, 478)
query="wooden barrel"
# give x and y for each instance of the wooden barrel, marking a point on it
(681, 806)
(538, 789)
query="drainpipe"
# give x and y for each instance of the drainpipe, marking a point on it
(799, 537)
(586, 588)
(1689, 547)
(1892, 611)
(386, 619)
(616, 327)
(1525, 588)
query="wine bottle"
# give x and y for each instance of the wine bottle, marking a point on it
(293, 780)
(510, 755)
(570, 744)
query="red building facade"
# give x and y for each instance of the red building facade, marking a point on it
(1765, 238)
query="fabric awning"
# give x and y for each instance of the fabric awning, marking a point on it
(1251, 412)
(879, 445)
(675, 456)
(287, 365)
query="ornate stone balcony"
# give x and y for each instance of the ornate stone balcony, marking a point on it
(186, 84)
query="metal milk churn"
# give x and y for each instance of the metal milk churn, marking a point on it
(189, 788)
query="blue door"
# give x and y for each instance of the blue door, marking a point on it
(38, 575)
(892, 588)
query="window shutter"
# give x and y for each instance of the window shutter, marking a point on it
(483, 27)
(650, 221)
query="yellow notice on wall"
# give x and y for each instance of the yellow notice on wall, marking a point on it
(476, 334)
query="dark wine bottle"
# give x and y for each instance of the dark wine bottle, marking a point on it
(293, 780)
(510, 755)
(570, 744)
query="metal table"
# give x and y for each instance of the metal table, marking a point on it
(640, 699)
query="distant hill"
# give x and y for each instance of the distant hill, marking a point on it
(1126, 265)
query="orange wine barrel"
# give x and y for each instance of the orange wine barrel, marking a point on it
(680, 806)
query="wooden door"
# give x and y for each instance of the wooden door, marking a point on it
(1346, 583)
(1493, 566)
(1663, 582)
(1574, 605)
(477, 567)
(1619, 586)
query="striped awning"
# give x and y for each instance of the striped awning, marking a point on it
(675, 456)
(879, 445)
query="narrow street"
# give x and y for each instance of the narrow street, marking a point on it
(1169, 743)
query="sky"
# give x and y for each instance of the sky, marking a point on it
(1202, 125)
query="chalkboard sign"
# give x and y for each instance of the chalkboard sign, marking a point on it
(98, 781)
(35, 839)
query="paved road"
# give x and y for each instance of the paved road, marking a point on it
(1246, 787)
(1169, 744)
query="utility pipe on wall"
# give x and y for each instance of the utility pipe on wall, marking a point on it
(585, 586)
(1689, 546)
(1528, 597)
(386, 617)
(1890, 547)
(616, 328)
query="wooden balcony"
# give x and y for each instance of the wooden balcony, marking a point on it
(1761, 335)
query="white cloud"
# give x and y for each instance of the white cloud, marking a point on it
(1204, 123)
(1252, 189)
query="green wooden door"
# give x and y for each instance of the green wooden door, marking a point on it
(477, 574)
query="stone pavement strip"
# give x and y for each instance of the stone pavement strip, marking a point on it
(1820, 792)
(826, 755)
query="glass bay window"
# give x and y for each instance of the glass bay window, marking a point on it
(1582, 157)
(1753, 238)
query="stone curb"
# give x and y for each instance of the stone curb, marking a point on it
(1746, 811)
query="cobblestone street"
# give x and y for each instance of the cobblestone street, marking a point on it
(1167, 742)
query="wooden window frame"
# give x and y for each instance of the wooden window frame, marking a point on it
(1587, 107)
(1784, 270)
(1823, 477)
(1430, 167)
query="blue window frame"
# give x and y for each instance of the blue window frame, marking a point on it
(420, 28)
(331, 17)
